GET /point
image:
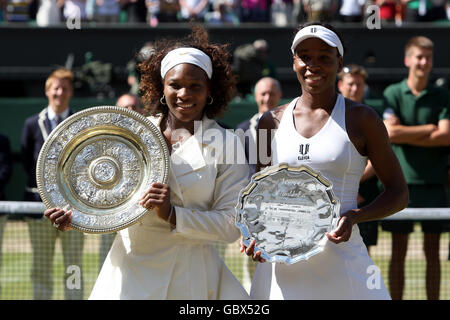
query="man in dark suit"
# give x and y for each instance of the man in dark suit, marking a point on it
(59, 90)
(268, 94)
(5, 174)
(5, 164)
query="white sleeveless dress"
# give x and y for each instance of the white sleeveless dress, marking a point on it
(341, 271)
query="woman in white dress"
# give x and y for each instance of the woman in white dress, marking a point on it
(341, 136)
(169, 254)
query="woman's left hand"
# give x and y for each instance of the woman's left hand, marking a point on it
(158, 198)
(344, 228)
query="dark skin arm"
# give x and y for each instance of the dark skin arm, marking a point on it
(369, 136)
(267, 125)
(157, 198)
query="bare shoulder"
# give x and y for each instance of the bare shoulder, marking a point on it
(360, 113)
(363, 125)
(361, 118)
(271, 119)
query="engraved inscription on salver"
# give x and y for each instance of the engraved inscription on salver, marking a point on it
(287, 213)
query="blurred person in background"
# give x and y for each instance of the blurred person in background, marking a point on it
(19, 10)
(439, 10)
(391, 10)
(267, 95)
(106, 11)
(417, 118)
(2, 9)
(283, 12)
(131, 102)
(352, 10)
(5, 175)
(164, 10)
(59, 91)
(251, 63)
(74, 9)
(136, 10)
(418, 10)
(5, 164)
(255, 11)
(320, 10)
(352, 84)
(447, 9)
(222, 14)
(193, 10)
(49, 13)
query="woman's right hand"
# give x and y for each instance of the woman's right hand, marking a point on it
(256, 256)
(60, 218)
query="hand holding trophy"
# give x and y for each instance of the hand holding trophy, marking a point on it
(95, 167)
(285, 213)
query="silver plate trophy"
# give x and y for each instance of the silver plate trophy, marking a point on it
(98, 163)
(287, 211)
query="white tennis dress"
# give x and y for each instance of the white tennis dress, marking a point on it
(341, 271)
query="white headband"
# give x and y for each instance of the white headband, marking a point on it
(186, 55)
(316, 31)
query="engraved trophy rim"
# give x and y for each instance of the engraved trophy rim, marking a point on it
(124, 133)
(256, 178)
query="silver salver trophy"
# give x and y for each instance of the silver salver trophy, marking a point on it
(98, 163)
(287, 211)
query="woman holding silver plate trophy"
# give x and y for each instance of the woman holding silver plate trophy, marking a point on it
(169, 253)
(334, 136)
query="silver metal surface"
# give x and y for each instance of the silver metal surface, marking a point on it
(98, 163)
(287, 211)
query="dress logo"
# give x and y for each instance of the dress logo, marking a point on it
(303, 152)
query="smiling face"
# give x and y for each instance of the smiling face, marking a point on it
(419, 61)
(186, 88)
(59, 93)
(316, 65)
(267, 94)
(352, 87)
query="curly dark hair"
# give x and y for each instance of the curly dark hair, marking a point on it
(222, 83)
